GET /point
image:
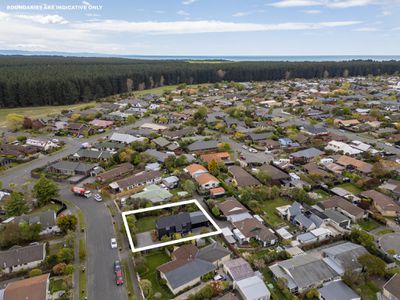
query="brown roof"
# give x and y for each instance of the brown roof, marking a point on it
(360, 165)
(34, 288)
(116, 172)
(205, 178)
(232, 207)
(180, 256)
(218, 156)
(381, 200)
(254, 228)
(242, 177)
(393, 286)
(336, 201)
(274, 172)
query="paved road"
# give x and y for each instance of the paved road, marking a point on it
(390, 241)
(100, 257)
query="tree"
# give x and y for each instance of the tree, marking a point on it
(67, 222)
(373, 264)
(15, 121)
(59, 269)
(35, 272)
(213, 167)
(15, 205)
(189, 186)
(216, 212)
(65, 255)
(146, 287)
(45, 190)
(312, 294)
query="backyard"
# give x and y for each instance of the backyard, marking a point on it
(348, 186)
(153, 260)
(271, 216)
(144, 224)
(368, 224)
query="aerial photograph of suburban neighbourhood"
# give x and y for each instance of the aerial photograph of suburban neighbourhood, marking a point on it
(199, 149)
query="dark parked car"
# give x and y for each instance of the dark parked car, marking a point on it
(117, 266)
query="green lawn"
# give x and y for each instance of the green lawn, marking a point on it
(368, 224)
(55, 248)
(38, 111)
(154, 260)
(146, 224)
(350, 188)
(57, 285)
(128, 281)
(385, 231)
(271, 216)
(51, 206)
(368, 291)
(324, 195)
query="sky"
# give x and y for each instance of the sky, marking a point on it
(203, 27)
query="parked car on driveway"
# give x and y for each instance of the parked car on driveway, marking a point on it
(98, 198)
(114, 243)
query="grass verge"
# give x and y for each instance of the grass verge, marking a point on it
(128, 281)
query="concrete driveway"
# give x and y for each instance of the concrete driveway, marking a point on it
(390, 241)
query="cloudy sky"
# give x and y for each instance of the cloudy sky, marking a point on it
(203, 27)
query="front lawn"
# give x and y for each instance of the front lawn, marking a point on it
(271, 216)
(153, 260)
(146, 224)
(51, 206)
(368, 291)
(348, 186)
(368, 224)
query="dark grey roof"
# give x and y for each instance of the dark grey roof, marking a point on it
(346, 255)
(161, 141)
(138, 178)
(21, 255)
(259, 136)
(337, 290)
(303, 220)
(314, 129)
(160, 156)
(188, 272)
(307, 153)
(274, 172)
(197, 217)
(173, 220)
(295, 209)
(242, 177)
(336, 216)
(213, 252)
(45, 219)
(203, 145)
(71, 166)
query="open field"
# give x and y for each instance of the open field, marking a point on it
(38, 111)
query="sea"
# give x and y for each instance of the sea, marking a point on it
(270, 58)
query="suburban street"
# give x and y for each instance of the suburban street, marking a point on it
(100, 257)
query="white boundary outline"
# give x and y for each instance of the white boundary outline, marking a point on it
(132, 212)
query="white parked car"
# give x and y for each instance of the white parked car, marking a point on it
(252, 150)
(98, 198)
(219, 277)
(114, 243)
(245, 147)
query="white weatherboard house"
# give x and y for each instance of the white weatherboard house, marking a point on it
(22, 258)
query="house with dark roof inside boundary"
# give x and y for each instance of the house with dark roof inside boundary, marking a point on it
(277, 175)
(182, 223)
(190, 263)
(241, 178)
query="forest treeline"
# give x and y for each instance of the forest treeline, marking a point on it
(51, 80)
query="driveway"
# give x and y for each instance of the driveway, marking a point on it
(390, 241)
(144, 239)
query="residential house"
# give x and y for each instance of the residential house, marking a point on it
(386, 206)
(170, 181)
(136, 180)
(219, 157)
(344, 257)
(355, 213)
(391, 289)
(189, 264)
(238, 269)
(153, 193)
(101, 123)
(351, 163)
(46, 219)
(41, 144)
(195, 170)
(314, 130)
(158, 155)
(22, 258)
(71, 168)
(207, 181)
(306, 155)
(254, 229)
(115, 173)
(241, 178)
(34, 288)
(77, 128)
(233, 210)
(345, 123)
(253, 288)
(203, 146)
(277, 175)
(183, 223)
(303, 272)
(92, 155)
(336, 290)
(125, 138)
(341, 147)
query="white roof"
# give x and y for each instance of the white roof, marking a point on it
(286, 235)
(320, 231)
(253, 288)
(226, 231)
(153, 126)
(124, 138)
